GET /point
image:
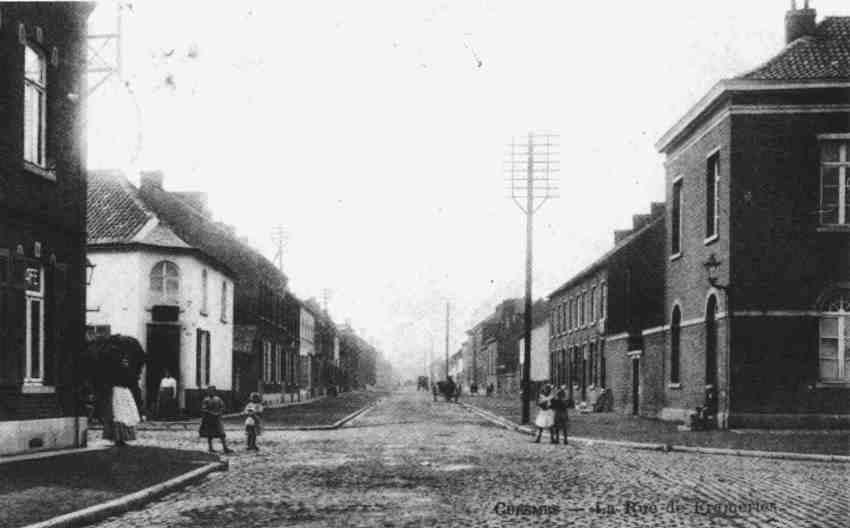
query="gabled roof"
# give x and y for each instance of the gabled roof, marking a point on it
(115, 213)
(118, 216)
(822, 56)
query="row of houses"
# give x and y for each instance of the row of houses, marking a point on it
(206, 306)
(738, 284)
(203, 304)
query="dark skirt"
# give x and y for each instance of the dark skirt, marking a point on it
(118, 432)
(167, 405)
(211, 427)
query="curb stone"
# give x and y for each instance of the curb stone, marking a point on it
(123, 504)
(781, 455)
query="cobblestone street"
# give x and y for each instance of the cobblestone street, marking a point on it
(411, 462)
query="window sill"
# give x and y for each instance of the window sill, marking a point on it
(675, 256)
(32, 168)
(36, 388)
(834, 229)
(833, 385)
(711, 240)
(674, 385)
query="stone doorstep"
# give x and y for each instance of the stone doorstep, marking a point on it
(783, 455)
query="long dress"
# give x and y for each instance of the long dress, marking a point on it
(124, 416)
(545, 416)
(211, 410)
(167, 399)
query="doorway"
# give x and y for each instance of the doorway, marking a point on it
(711, 342)
(635, 386)
(163, 350)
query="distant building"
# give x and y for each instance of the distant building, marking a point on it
(42, 223)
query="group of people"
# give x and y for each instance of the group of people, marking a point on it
(552, 413)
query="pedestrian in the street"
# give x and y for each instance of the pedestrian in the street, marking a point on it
(253, 420)
(545, 415)
(123, 414)
(458, 390)
(450, 389)
(559, 406)
(212, 408)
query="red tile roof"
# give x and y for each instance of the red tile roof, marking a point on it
(115, 213)
(823, 56)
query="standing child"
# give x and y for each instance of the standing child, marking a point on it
(211, 426)
(253, 424)
(545, 416)
(559, 405)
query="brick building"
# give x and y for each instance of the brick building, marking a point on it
(42, 222)
(602, 319)
(756, 176)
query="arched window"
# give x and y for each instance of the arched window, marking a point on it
(165, 282)
(675, 344)
(834, 342)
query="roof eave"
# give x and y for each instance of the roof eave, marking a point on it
(726, 86)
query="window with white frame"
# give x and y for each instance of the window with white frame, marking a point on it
(34, 279)
(582, 308)
(204, 292)
(224, 301)
(712, 196)
(603, 293)
(676, 219)
(35, 120)
(278, 363)
(165, 283)
(592, 301)
(834, 195)
(834, 347)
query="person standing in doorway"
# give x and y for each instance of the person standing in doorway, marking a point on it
(212, 408)
(166, 402)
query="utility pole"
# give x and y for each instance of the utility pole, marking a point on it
(530, 168)
(447, 339)
(279, 237)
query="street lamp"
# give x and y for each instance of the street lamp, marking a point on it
(89, 271)
(712, 265)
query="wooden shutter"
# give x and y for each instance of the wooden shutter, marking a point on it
(207, 364)
(13, 369)
(56, 350)
(198, 359)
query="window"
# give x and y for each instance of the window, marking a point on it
(34, 280)
(603, 293)
(278, 363)
(675, 344)
(573, 314)
(202, 359)
(582, 302)
(165, 283)
(224, 301)
(834, 196)
(267, 362)
(712, 196)
(676, 219)
(35, 88)
(602, 363)
(834, 349)
(204, 292)
(592, 301)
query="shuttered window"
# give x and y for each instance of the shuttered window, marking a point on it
(202, 359)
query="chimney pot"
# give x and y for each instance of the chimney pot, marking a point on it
(799, 22)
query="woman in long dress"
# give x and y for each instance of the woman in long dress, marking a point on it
(212, 409)
(545, 416)
(124, 415)
(167, 397)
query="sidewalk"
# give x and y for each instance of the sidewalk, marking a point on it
(620, 427)
(320, 413)
(36, 489)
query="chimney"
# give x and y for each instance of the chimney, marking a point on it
(639, 220)
(151, 179)
(799, 22)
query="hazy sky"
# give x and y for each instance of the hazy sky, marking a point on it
(371, 133)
